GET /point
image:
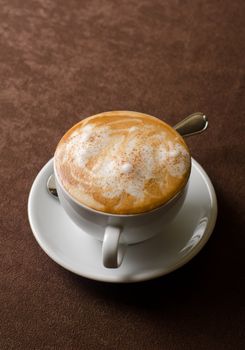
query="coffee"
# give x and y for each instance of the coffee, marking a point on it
(122, 162)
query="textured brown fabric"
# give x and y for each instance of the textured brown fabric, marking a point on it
(60, 60)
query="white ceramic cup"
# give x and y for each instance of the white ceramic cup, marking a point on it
(117, 231)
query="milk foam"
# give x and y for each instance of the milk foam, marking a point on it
(121, 157)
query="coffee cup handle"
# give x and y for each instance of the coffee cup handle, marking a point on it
(112, 254)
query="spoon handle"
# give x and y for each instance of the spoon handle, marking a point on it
(194, 124)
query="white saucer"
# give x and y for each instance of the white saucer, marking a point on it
(78, 252)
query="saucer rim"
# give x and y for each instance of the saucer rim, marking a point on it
(143, 276)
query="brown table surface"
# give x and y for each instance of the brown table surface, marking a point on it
(63, 60)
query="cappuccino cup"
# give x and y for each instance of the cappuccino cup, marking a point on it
(121, 176)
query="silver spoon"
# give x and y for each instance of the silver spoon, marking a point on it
(51, 186)
(191, 125)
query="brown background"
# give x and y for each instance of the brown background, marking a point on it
(60, 60)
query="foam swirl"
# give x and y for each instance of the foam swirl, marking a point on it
(122, 162)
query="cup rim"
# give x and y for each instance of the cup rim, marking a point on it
(175, 196)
